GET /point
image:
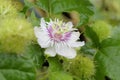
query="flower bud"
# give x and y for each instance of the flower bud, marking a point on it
(17, 4)
(7, 9)
(81, 67)
(102, 29)
(15, 35)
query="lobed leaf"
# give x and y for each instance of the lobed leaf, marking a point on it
(14, 67)
(84, 7)
(108, 57)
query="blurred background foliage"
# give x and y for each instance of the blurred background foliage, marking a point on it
(107, 10)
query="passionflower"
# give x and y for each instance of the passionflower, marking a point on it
(58, 37)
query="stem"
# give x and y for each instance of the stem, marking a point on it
(103, 5)
(49, 8)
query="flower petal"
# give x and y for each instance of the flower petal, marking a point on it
(74, 36)
(72, 42)
(43, 37)
(37, 32)
(40, 33)
(66, 51)
(70, 25)
(77, 44)
(50, 51)
(43, 24)
(44, 43)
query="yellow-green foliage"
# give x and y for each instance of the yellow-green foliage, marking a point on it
(114, 8)
(6, 9)
(17, 4)
(102, 29)
(97, 3)
(15, 35)
(82, 67)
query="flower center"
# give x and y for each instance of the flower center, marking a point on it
(58, 32)
(57, 37)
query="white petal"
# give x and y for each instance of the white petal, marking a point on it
(66, 51)
(70, 25)
(40, 33)
(37, 31)
(74, 37)
(43, 23)
(44, 40)
(44, 43)
(50, 51)
(77, 44)
(43, 37)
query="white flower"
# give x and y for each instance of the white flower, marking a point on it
(58, 37)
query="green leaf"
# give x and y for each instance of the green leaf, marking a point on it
(59, 75)
(28, 3)
(108, 57)
(92, 42)
(34, 20)
(14, 67)
(93, 36)
(45, 4)
(55, 71)
(83, 19)
(54, 64)
(88, 49)
(36, 53)
(84, 7)
(2, 77)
